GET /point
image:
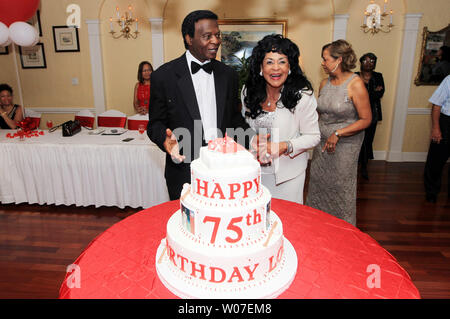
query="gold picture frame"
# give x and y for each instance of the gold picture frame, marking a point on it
(431, 42)
(240, 36)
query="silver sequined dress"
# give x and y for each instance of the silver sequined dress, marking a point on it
(332, 185)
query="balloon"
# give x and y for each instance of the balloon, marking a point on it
(23, 34)
(36, 40)
(17, 10)
(8, 42)
(4, 34)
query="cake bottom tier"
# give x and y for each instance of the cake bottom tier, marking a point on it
(254, 272)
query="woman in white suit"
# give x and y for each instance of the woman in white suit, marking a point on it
(278, 99)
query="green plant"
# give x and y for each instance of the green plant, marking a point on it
(243, 70)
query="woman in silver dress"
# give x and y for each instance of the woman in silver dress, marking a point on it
(278, 99)
(344, 113)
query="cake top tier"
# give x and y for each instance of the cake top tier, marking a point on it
(225, 171)
(225, 145)
(225, 153)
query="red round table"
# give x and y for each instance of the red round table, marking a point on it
(335, 259)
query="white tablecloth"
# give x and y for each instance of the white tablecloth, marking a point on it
(82, 170)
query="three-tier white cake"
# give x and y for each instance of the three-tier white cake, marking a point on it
(224, 241)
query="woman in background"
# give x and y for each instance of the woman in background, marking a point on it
(278, 98)
(442, 66)
(142, 88)
(375, 87)
(10, 114)
(344, 111)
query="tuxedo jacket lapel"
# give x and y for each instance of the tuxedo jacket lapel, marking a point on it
(220, 86)
(187, 87)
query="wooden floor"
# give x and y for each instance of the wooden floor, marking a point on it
(37, 243)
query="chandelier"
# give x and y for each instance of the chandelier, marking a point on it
(373, 18)
(125, 23)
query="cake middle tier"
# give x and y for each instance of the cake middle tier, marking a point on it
(227, 223)
(217, 263)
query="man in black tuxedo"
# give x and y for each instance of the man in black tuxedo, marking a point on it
(191, 98)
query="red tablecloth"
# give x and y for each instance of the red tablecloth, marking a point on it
(335, 259)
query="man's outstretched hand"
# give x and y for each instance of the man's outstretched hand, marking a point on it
(172, 148)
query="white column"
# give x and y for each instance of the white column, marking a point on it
(95, 48)
(403, 86)
(340, 26)
(157, 42)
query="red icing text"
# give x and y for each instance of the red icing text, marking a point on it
(226, 191)
(214, 274)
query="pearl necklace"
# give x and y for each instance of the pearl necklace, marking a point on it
(269, 104)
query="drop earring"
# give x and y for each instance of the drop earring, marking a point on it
(289, 73)
(260, 73)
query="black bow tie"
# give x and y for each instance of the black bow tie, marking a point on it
(195, 67)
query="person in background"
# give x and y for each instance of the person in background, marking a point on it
(278, 96)
(142, 88)
(375, 87)
(10, 114)
(442, 67)
(439, 150)
(344, 113)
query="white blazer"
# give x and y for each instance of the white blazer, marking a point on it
(301, 128)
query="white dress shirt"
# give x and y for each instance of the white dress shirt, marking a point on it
(441, 97)
(206, 97)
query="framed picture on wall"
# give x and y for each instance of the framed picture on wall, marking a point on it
(35, 21)
(432, 66)
(4, 50)
(33, 57)
(66, 39)
(239, 37)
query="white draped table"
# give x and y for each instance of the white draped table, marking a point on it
(84, 170)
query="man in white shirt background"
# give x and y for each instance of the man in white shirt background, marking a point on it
(439, 150)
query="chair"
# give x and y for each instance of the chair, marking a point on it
(112, 118)
(33, 115)
(136, 120)
(86, 118)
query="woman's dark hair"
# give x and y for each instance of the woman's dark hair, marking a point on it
(140, 68)
(188, 25)
(341, 48)
(255, 85)
(6, 87)
(371, 56)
